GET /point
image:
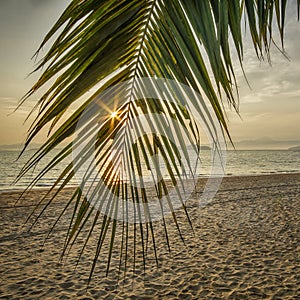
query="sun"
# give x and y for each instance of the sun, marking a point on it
(114, 114)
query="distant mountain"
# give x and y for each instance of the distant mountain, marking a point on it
(257, 144)
(31, 146)
(297, 148)
(18, 147)
(264, 144)
(202, 147)
(205, 148)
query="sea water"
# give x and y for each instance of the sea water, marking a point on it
(239, 162)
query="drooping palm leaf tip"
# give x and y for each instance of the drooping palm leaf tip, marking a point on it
(100, 44)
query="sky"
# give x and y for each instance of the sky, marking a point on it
(270, 108)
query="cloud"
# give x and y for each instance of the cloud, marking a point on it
(272, 102)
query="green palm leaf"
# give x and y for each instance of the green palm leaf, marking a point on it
(108, 46)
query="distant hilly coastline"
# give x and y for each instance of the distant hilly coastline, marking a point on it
(266, 144)
(205, 148)
(297, 148)
(31, 146)
(256, 144)
(18, 147)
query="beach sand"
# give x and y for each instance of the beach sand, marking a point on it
(245, 245)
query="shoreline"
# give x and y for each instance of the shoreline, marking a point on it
(245, 245)
(201, 177)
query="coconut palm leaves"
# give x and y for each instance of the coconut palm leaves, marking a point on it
(138, 157)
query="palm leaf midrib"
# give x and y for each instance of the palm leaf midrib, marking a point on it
(140, 48)
(134, 75)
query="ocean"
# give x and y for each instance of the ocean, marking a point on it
(239, 163)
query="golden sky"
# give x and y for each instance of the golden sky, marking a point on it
(271, 108)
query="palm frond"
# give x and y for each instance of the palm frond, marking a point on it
(113, 48)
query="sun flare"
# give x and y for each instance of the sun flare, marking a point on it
(114, 114)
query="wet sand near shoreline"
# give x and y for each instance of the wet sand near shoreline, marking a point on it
(245, 245)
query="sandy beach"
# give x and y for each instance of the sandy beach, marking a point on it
(245, 245)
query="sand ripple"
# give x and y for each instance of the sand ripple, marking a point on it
(246, 245)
